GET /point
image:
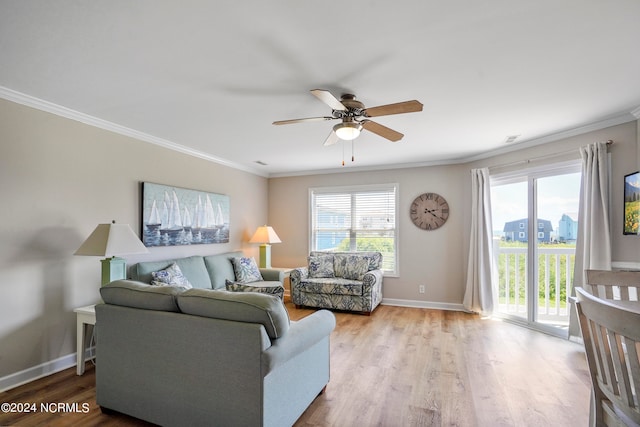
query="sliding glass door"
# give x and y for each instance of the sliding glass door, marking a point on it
(535, 217)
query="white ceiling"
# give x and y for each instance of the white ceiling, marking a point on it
(210, 77)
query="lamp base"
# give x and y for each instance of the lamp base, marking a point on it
(113, 268)
(265, 256)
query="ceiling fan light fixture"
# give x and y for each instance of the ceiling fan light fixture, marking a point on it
(348, 130)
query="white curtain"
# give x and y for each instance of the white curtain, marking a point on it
(593, 244)
(479, 293)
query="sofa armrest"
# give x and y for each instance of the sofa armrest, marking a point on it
(297, 275)
(272, 275)
(300, 336)
(373, 278)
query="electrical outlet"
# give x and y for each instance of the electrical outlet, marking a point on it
(421, 289)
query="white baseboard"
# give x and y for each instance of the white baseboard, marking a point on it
(36, 372)
(423, 304)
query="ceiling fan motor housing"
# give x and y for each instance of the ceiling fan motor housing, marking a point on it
(354, 108)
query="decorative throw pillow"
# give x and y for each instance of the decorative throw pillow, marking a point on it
(170, 276)
(246, 270)
(321, 266)
(356, 267)
(340, 264)
(277, 291)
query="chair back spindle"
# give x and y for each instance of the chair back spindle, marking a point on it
(611, 337)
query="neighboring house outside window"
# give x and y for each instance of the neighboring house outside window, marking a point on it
(520, 226)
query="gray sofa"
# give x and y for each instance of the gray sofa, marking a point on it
(212, 272)
(207, 357)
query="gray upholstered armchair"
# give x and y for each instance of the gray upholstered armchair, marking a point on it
(349, 281)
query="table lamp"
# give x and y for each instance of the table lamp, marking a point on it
(111, 240)
(265, 236)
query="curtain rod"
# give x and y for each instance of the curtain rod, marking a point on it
(548, 156)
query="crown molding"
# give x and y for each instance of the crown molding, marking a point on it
(618, 119)
(50, 107)
(58, 110)
(615, 120)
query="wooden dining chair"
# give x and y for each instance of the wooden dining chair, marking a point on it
(622, 285)
(611, 337)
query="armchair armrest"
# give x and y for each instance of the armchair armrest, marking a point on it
(373, 278)
(298, 274)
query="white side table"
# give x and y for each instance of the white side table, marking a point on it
(84, 316)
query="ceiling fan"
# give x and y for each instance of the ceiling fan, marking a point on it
(354, 116)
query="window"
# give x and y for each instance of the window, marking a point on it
(360, 218)
(521, 226)
(535, 275)
(521, 235)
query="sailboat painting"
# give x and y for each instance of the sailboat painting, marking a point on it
(173, 216)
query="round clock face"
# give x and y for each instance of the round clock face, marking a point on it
(429, 211)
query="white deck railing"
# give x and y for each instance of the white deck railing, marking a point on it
(555, 269)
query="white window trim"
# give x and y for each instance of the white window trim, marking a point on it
(353, 188)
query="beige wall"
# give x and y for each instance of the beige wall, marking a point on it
(58, 180)
(438, 258)
(430, 258)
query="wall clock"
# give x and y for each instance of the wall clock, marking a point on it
(429, 211)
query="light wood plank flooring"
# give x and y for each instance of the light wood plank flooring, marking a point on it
(399, 367)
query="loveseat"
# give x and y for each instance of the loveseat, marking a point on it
(215, 272)
(207, 357)
(350, 281)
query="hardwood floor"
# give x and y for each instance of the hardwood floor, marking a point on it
(398, 367)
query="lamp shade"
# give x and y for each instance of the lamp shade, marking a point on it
(265, 234)
(347, 130)
(112, 240)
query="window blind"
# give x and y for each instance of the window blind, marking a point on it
(356, 219)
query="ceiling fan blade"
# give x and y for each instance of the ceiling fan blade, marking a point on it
(328, 98)
(309, 119)
(331, 139)
(383, 131)
(399, 108)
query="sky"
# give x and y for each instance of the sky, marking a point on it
(557, 195)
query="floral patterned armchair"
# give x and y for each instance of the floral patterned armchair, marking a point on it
(349, 281)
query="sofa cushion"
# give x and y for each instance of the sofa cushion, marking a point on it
(192, 267)
(246, 270)
(170, 276)
(321, 266)
(270, 288)
(220, 268)
(356, 267)
(340, 259)
(250, 307)
(331, 286)
(129, 293)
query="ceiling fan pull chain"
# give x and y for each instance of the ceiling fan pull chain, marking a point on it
(343, 154)
(352, 152)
